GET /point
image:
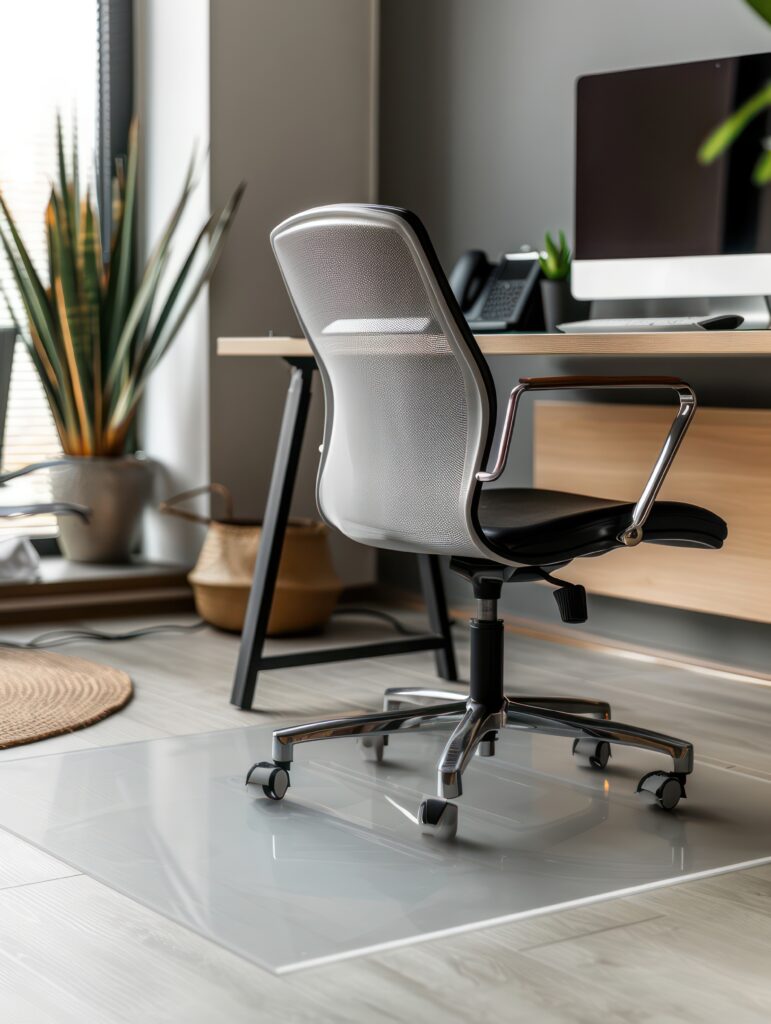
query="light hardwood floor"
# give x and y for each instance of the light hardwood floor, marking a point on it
(72, 949)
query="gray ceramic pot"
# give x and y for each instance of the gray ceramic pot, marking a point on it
(116, 490)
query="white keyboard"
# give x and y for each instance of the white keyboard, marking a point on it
(632, 324)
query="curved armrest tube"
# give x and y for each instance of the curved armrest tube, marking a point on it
(31, 468)
(57, 508)
(633, 534)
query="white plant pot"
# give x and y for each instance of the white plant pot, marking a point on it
(116, 491)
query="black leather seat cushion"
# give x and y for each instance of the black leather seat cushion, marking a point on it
(539, 527)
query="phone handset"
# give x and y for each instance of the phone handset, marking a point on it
(498, 296)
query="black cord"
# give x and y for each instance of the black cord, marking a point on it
(59, 637)
(376, 613)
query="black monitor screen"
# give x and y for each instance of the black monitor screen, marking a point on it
(640, 189)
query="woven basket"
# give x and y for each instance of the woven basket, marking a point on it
(307, 588)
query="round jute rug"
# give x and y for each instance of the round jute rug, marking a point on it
(44, 694)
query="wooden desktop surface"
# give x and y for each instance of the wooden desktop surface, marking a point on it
(680, 343)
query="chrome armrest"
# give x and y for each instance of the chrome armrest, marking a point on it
(633, 533)
(57, 508)
(31, 468)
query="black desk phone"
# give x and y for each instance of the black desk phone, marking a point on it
(499, 296)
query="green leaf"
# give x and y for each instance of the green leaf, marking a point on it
(90, 256)
(724, 136)
(164, 333)
(30, 302)
(77, 375)
(71, 309)
(64, 184)
(761, 172)
(139, 313)
(37, 305)
(556, 264)
(48, 347)
(171, 299)
(65, 258)
(51, 393)
(763, 8)
(89, 262)
(139, 310)
(215, 249)
(123, 258)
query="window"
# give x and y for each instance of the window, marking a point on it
(50, 64)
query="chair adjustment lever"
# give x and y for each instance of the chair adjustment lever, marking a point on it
(570, 598)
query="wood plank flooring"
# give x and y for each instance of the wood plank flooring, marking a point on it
(72, 949)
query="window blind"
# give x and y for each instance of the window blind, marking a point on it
(50, 64)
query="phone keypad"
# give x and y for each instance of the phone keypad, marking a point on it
(502, 300)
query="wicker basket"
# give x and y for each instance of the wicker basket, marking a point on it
(307, 588)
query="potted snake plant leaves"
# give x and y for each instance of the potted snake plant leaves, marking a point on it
(96, 330)
(559, 304)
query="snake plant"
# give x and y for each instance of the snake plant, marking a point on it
(97, 329)
(555, 259)
(727, 132)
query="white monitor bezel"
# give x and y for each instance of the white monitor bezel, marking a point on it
(672, 277)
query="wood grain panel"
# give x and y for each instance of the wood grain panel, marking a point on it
(724, 465)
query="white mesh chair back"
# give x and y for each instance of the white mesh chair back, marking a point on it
(409, 398)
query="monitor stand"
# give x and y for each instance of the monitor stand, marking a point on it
(753, 309)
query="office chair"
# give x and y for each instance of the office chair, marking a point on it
(410, 420)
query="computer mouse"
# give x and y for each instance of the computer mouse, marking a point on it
(725, 322)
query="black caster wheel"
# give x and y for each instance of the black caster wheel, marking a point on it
(372, 747)
(591, 753)
(437, 817)
(665, 789)
(273, 778)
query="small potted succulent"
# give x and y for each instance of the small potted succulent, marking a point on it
(559, 305)
(96, 329)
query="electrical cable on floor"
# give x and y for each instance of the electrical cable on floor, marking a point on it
(378, 613)
(58, 637)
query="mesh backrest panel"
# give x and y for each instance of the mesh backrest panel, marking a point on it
(407, 414)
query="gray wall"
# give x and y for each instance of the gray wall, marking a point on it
(293, 100)
(476, 119)
(477, 100)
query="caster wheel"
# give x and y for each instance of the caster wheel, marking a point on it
(438, 817)
(592, 753)
(486, 746)
(272, 777)
(665, 789)
(372, 747)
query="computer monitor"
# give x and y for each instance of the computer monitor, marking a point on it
(650, 220)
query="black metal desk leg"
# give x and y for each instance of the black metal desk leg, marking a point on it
(273, 528)
(436, 604)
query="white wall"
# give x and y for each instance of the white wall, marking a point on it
(172, 89)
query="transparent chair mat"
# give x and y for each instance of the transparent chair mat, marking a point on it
(339, 866)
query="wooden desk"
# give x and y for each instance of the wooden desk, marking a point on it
(749, 453)
(682, 343)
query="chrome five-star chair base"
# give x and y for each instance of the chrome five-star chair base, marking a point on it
(478, 720)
